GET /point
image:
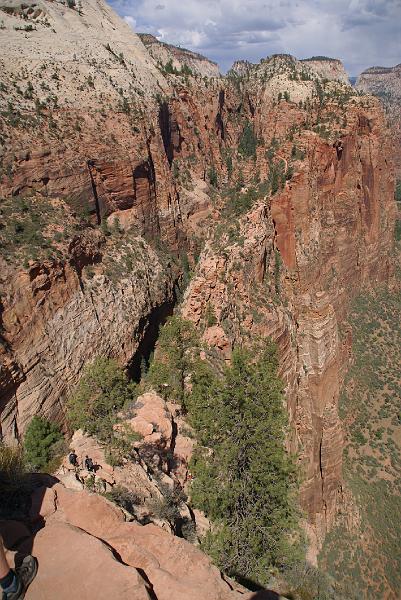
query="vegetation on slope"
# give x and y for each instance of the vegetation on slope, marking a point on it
(30, 229)
(43, 441)
(95, 406)
(245, 484)
(243, 478)
(363, 550)
(168, 374)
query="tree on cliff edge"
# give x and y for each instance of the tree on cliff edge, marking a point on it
(173, 360)
(102, 391)
(244, 480)
(243, 477)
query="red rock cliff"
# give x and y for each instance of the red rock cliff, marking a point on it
(104, 133)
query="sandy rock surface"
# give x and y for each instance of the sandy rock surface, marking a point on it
(87, 550)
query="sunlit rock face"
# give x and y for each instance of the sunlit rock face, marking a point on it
(128, 170)
(385, 83)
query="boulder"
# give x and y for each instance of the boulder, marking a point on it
(71, 481)
(215, 336)
(73, 564)
(44, 504)
(183, 449)
(88, 511)
(152, 419)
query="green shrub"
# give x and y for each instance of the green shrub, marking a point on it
(25, 222)
(213, 180)
(247, 142)
(124, 498)
(168, 507)
(40, 437)
(397, 230)
(306, 582)
(271, 151)
(240, 202)
(90, 482)
(173, 361)
(229, 165)
(186, 271)
(185, 70)
(277, 176)
(170, 69)
(210, 317)
(243, 202)
(102, 391)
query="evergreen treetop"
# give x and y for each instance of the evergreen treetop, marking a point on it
(243, 477)
(40, 437)
(102, 391)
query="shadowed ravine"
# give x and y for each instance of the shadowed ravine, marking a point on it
(137, 183)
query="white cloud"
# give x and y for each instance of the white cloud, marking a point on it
(360, 32)
(130, 20)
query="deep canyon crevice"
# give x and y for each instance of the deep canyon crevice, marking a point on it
(172, 150)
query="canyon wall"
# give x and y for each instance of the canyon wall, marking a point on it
(332, 228)
(385, 83)
(134, 175)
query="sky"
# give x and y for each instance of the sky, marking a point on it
(362, 33)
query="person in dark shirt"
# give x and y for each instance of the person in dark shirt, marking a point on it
(73, 459)
(89, 466)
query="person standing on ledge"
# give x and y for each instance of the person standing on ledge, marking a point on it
(15, 583)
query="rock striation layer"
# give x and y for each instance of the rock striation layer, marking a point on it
(272, 185)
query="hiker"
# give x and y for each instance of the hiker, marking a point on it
(89, 466)
(73, 459)
(14, 583)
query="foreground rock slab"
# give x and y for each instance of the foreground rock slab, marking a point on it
(73, 564)
(87, 550)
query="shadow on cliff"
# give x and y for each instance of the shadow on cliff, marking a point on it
(265, 595)
(148, 333)
(259, 593)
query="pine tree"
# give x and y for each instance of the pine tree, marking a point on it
(242, 473)
(248, 142)
(102, 391)
(40, 437)
(243, 477)
(173, 359)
